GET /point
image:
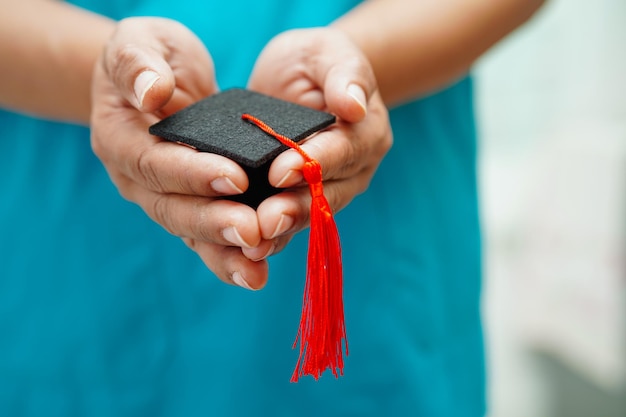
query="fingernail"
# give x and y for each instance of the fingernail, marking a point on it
(358, 95)
(224, 185)
(232, 235)
(143, 84)
(239, 280)
(284, 223)
(292, 177)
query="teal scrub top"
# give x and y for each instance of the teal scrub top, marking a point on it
(103, 313)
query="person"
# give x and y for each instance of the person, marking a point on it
(110, 246)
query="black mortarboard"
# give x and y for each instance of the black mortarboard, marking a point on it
(214, 125)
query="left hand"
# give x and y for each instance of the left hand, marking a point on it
(323, 69)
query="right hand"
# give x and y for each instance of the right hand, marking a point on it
(149, 69)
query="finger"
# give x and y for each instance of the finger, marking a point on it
(217, 221)
(142, 59)
(230, 265)
(346, 76)
(284, 214)
(346, 96)
(159, 165)
(343, 150)
(167, 167)
(288, 212)
(333, 74)
(267, 248)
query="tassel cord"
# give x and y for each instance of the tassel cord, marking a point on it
(321, 332)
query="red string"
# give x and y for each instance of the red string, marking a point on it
(322, 332)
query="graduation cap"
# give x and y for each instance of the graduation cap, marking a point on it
(252, 129)
(215, 125)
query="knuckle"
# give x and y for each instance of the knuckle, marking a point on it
(364, 180)
(124, 185)
(96, 144)
(146, 171)
(185, 179)
(338, 198)
(122, 58)
(342, 157)
(200, 224)
(387, 136)
(351, 152)
(123, 61)
(384, 145)
(382, 139)
(97, 138)
(180, 218)
(161, 212)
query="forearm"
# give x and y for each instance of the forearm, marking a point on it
(47, 53)
(416, 47)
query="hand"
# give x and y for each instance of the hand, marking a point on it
(149, 69)
(322, 69)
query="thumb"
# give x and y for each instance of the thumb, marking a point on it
(349, 81)
(152, 89)
(138, 60)
(346, 98)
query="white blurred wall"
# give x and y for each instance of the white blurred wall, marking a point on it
(552, 115)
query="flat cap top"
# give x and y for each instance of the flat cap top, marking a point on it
(214, 125)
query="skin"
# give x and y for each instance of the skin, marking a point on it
(130, 74)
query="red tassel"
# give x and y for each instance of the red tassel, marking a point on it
(322, 331)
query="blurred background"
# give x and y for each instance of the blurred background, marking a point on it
(551, 101)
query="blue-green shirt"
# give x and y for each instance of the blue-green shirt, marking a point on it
(103, 313)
